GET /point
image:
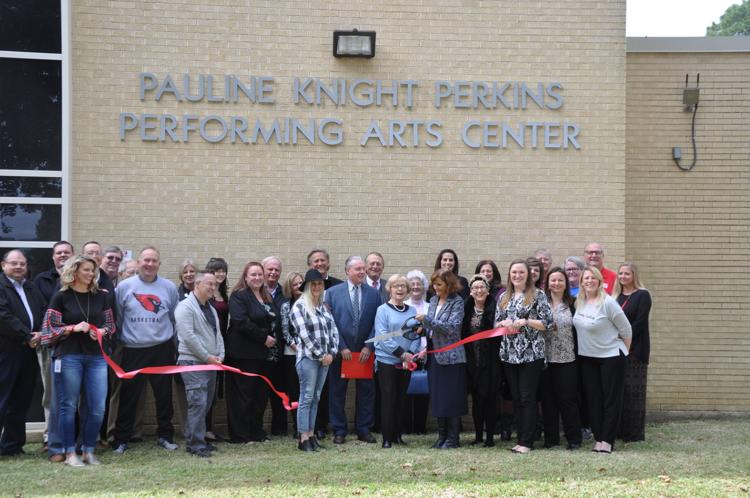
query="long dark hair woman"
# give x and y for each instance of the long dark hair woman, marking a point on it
(525, 308)
(220, 303)
(79, 364)
(635, 302)
(446, 370)
(488, 269)
(559, 382)
(253, 342)
(603, 340)
(482, 362)
(447, 259)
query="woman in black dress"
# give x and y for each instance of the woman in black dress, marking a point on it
(482, 362)
(635, 301)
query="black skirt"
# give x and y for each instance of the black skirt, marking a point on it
(633, 417)
(447, 389)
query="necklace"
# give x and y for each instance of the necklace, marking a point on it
(397, 308)
(478, 311)
(88, 303)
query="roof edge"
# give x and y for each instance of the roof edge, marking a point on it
(689, 44)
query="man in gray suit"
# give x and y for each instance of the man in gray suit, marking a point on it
(374, 266)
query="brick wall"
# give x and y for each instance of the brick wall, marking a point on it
(690, 231)
(245, 201)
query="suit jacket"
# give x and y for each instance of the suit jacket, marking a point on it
(331, 282)
(15, 329)
(48, 283)
(381, 288)
(445, 329)
(338, 299)
(249, 325)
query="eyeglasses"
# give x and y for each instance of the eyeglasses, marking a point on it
(398, 286)
(594, 253)
(112, 257)
(573, 270)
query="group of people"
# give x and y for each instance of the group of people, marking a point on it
(570, 350)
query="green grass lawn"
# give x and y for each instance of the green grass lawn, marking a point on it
(681, 458)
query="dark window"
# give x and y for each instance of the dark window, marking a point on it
(30, 187)
(30, 25)
(35, 222)
(30, 114)
(38, 260)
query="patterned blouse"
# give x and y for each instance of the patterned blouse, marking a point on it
(528, 345)
(558, 340)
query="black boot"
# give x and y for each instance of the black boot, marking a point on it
(453, 427)
(442, 432)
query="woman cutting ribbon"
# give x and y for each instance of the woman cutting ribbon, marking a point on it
(393, 355)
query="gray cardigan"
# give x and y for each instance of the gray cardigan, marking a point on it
(445, 328)
(197, 339)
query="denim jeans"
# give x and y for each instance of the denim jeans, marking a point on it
(312, 376)
(81, 373)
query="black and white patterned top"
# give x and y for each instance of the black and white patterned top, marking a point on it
(528, 345)
(558, 340)
(317, 334)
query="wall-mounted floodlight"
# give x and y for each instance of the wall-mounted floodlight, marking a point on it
(354, 44)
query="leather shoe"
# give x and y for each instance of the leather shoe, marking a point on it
(387, 444)
(320, 434)
(306, 446)
(315, 444)
(57, 458)
(339, 439)
(400, 440)
(367, 438)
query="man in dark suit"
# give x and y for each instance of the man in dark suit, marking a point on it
(272, 269)
(353, 305)
(21, 314)
(318, 259)
(374, 266)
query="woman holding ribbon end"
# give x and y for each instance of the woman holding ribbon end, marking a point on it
(74, 313)
(393, 357)
(524, 308)
(317, 345)
(447, 369)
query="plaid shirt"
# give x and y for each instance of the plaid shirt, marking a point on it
(317, 334)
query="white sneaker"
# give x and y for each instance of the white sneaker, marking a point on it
(91, 459)
(74, 461)
(166, 444)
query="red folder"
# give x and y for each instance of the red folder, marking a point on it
(353, 369)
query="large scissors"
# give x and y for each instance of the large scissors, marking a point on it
(409, 330)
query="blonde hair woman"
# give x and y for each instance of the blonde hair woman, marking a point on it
(635, 302)
(68, 326)
(603, 340)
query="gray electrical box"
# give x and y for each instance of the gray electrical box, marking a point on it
(690, 96)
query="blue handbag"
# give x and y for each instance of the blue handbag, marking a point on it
(418, 384)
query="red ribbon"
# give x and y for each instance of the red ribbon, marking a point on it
(173, 369)
(485, 334)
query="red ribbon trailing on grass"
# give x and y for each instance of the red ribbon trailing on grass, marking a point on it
(173, 369)
(485, 334)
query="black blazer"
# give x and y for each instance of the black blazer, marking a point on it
(15, 329)
(249, 325)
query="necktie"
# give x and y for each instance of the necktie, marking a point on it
(355, 306)
(374, 284)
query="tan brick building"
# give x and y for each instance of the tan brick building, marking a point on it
(473, 66)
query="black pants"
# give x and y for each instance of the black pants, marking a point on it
(289, 363)
(131, 390)
(18, 373)
(246, 401)
(277, 375)
(603, 380)
(393, 383)
(523, 380)
(559, 383)
(484, 413)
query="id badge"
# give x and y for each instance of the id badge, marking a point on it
(58, 366)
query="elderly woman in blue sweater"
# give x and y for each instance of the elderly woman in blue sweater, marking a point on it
(393, 355)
